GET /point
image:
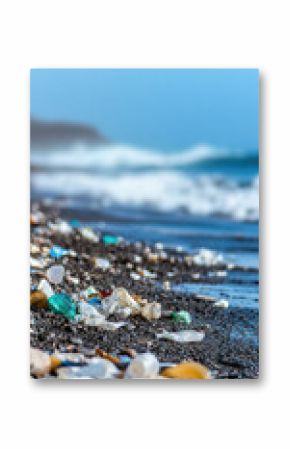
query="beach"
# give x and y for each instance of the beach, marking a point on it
(229, 348)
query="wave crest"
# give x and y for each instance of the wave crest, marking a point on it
(120, 156)
(161, 190)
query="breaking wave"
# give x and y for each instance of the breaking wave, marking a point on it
(122, 157)
(161, 190)
(201, 180)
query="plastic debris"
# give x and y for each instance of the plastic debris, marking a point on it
(105, 355)
(37, 218)
(90, 291)
(153, 257)
(104, 264)
(224, 304)
(135, 276)
(147, 274)
(36, 263)
(92, 317)
(187, 370)
(55, 274)
(182, 336)
(89, 234)
(57, 252)
(39, 363)
(110, 239)
(182, 316)
(151, 311)
(55, 363)
(137, 258)
(67, 359)
(38, 299)
(62, 304)
(45, 287)
(74, 223)
(166, 285)
(120, 297)
(34, 249)
(95, 301)
(62, 227)
(143, 366)
(97, 369)
(207, 258)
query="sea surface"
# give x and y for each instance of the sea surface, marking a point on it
(201, 197)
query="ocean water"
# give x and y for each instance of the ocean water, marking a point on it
(201, 197)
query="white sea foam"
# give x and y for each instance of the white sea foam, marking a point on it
(165, 190)
(121, 156)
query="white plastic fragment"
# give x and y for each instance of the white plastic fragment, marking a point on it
(163, 255)
(123, 312)
(92, 317)
(45, 287)
(206, 257)
(39, 362)
(62, 227)
(98, 368)
(143, 366)
(37, 217)
(186, 336)
(147, 274)
(151, 311)
(137, 258)
(152, 257)
(135, 276)
(55, 274)
(102, 263)
(121, 297)
(89, 234)
(166, 285)
(36, 263)
(222, 303)
(34, 249)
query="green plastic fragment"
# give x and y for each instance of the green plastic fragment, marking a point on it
(182, 316)
(110, 239)
(62, 304)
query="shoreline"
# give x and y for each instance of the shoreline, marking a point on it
(223, 353)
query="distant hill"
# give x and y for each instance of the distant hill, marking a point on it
(55, 134)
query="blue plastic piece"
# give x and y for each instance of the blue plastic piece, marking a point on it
(57, 252)
(71, 363)
(124, 359)
(94, 301)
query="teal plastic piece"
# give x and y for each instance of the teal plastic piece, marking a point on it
(110, 239)
(62, 304)
(182, 316)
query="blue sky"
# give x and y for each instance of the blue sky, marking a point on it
(161, 109)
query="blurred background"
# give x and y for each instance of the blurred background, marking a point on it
(167, 155)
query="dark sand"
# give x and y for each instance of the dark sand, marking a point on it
(225, 354)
